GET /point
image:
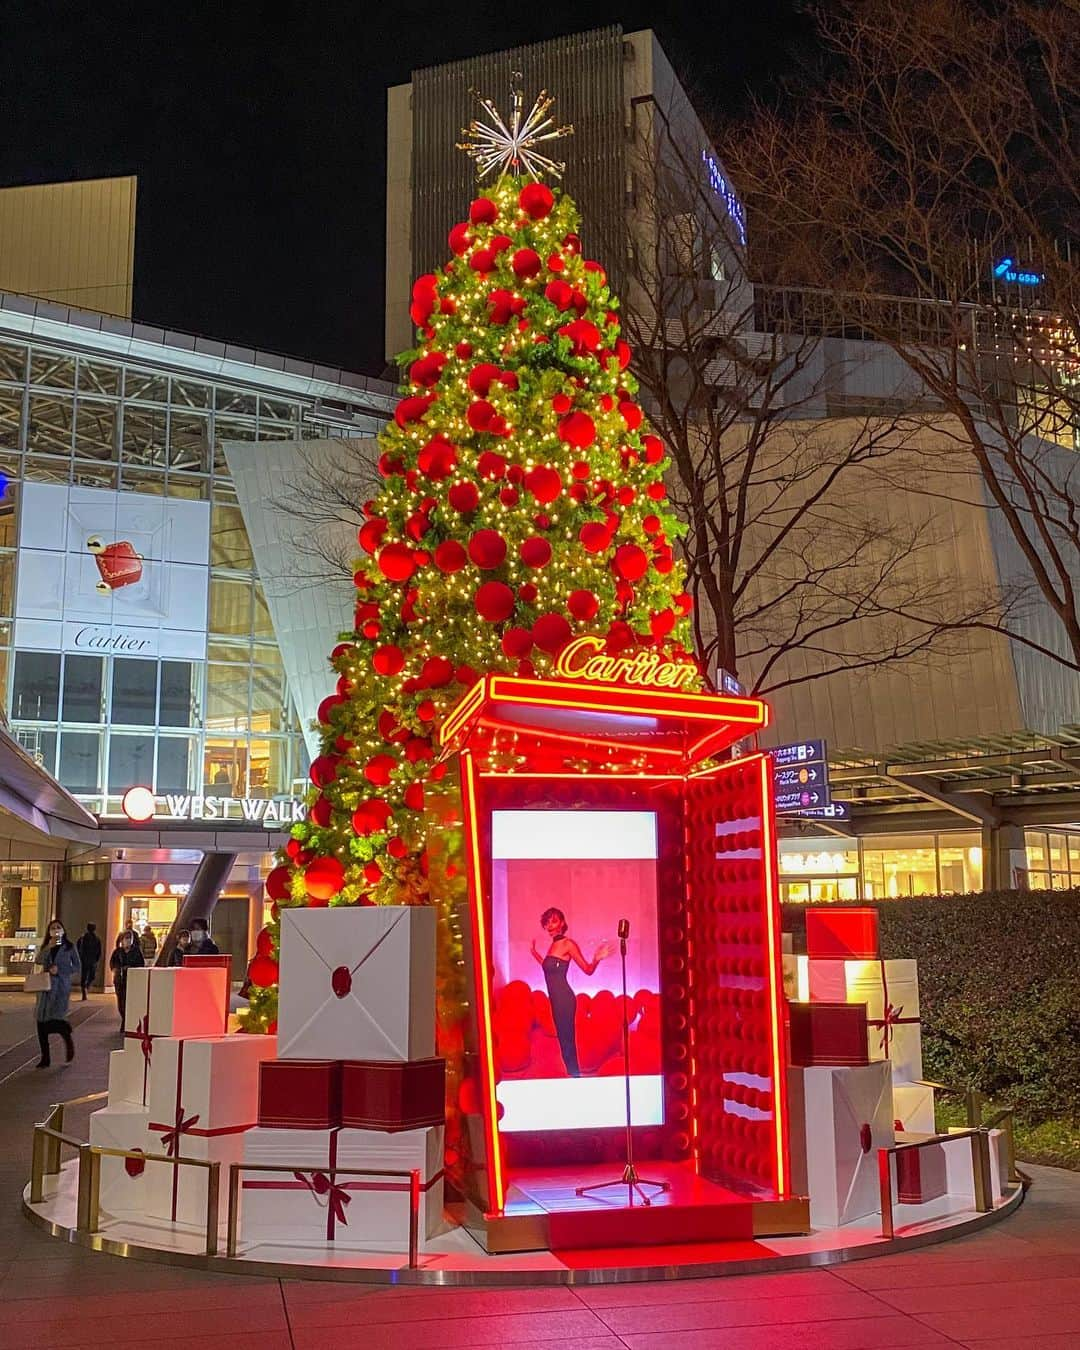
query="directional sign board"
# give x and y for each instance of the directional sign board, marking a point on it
(834, 811)
(800, 777)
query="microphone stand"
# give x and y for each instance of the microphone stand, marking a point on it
(634, 1183)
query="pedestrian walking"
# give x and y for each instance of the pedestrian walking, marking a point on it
(60, 959)
(126, 954)
(89, 949)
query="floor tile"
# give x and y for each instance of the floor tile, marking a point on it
(426, 1305)
(692, 1316)
(789, 1284)
(868, 1333)
(571, 1329)
(986, 1324)
(1002, 1293)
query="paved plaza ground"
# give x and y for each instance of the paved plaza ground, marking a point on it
(1014, 1286)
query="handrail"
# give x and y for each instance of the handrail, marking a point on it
(980, 1171)
(974, 1100)
(237, 1169)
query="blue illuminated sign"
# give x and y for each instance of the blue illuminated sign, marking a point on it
(726, 193)
(1006, 270)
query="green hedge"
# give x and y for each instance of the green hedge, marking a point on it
(999, 984)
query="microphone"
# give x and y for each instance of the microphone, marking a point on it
(624, 929)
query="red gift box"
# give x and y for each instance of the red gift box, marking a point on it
(842, 933)
(389, 1095)
(921, 1175)
(827, 1034)
(300, 1094)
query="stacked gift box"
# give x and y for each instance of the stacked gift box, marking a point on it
(355, 1084)
(179, 1086)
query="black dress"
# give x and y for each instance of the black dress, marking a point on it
(563, 1008)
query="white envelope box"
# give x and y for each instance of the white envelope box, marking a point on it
(913, 1107)
(204, 1095)
(840, 1117)
(304, 1205)
(357, 983)
(123, 1180)
(176, 1001)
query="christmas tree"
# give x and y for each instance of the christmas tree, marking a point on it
(523, 505)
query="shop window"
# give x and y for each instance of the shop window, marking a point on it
(49, 424)
(82, 688)
(40, 745)
(229, 546)
(225, 767)
(177, 708)
(134, 693)
(1074, 856)
(189, 442)
(227, 698)
(174, 764)
(35, 696)
(96, 378)
(899, 866)
(960, 863)
(11, 409)
(268, 768)
(80, 755)
(12, 362)
(95, 429)
(230, 606)
(131, 761)
(51, 369)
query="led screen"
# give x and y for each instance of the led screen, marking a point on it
(561, 881)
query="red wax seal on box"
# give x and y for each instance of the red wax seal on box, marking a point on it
(341, 981)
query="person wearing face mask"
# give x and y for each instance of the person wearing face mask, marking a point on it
(183, 948)
(202, 944)
(127, 953)
(59, 957)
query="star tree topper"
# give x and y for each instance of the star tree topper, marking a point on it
(511, 147)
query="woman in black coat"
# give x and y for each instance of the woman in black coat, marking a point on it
(126, 953)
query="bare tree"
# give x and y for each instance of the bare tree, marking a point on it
(797, 570)
(942, 139)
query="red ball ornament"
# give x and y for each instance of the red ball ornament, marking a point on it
(263, 971)
(500, 243)
(494, 601)
(583, 605)
(654, 449)
(414, 796)
(631, 562)
(396, 562)
(323, 770)
(370, 817)
(491, 466)
(594, 537)
(481, 378)
(622, 353)
(463, 351)
(264, 943)
(323, 878)
(483, 211)
(479, 414)
(536, 200)
(544, 483)
(551, 633)
(327, 706)
(487, 549)
(656, 492)
(438, 459)
(388, 660)
(482, 260)
(459, 238)
(413, 408)
(450, 556)
(592, 266)
(517, 643)
(651, 524)
(277, 880)
(577, 429)
(526, 263)
(379, 768)
(464, 497)
(425, 371)
(631, 414)
(370, 534)
(320, 812)
(527, 593)
(559, 293)
(509, 496)
(584, 336)
(572, 243)
(373, 873)
(660, 625)
(437, 672)
(561, 403)
(535, 552)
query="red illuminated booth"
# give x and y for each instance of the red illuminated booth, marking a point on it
(610, 792)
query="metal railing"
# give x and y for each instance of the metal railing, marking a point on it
(236, 1170)
(975, 1103)
(49, 1139)
(980, 1171)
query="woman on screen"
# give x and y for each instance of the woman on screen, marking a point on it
(556, 968)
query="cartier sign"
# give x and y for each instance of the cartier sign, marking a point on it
(587, 658)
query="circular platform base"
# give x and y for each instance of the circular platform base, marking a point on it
(455, 1259)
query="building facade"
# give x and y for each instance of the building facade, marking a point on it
(136, 645)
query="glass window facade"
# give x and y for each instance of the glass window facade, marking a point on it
(879, 867)
(225, 722)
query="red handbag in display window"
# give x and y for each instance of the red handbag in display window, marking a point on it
(823, 1034)
(387, 1095)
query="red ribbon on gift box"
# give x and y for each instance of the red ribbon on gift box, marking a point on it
(319, 1183)
(172, 1134)
(143, 1035)
(892, 1015)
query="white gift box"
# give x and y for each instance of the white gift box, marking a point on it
(123, 1180)
(357, 983)
(204, 1094)
(890, 990)
(840, 1117)
(913, 1107)
(129, 1072)
(176, 1001)
(999, 1163)
(303, 1205)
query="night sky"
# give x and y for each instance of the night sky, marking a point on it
(257, 131)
